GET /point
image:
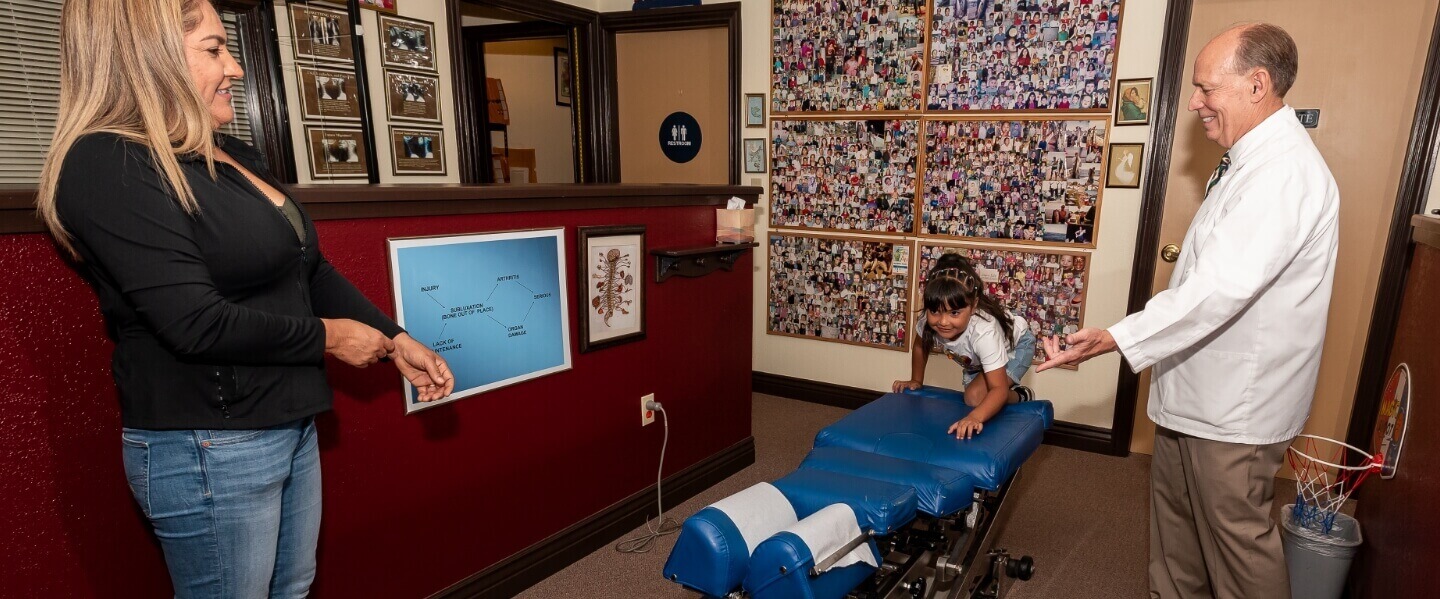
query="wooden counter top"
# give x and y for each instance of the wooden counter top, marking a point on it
(1427, 230)
(330, 202)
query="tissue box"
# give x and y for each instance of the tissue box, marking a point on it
(735, 226)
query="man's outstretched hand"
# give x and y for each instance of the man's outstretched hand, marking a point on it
(1084, 344)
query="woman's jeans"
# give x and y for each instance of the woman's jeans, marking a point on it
(237, 512)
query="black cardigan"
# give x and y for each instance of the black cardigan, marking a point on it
(215, 316)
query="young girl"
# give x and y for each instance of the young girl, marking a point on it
(994, 346)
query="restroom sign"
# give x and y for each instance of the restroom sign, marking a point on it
(680, 137)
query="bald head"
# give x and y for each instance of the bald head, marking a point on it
(1241, 78)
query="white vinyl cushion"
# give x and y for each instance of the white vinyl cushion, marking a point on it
(829, 530)
(758, 512)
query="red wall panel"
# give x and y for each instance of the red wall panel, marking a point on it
(412, 503)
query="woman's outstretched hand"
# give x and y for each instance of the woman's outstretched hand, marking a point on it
(355, 343)
(424, 368)
(1085, 343)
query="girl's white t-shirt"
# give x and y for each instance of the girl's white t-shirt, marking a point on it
(982, 347)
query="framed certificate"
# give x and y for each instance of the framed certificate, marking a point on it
(412, 96)
(417, 151)
(329, 94)
(409, 43)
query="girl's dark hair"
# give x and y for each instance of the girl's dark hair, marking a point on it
(953, 284)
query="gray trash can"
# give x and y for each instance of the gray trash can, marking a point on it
(1318, 562)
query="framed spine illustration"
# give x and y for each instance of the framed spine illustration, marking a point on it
(858, 56)
(612, 285)
(1030, 181)
(844, 175)
(1046, 288)
(845, 289)
(1022, 55)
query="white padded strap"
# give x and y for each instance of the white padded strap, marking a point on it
(830, 530)
(759, 511)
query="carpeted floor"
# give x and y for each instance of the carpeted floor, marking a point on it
(1082, 516)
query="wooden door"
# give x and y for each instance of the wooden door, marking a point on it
(1361, 66)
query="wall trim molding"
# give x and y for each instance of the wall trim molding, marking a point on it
(1069, 435)
(537, 562)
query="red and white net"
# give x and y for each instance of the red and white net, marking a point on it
(1326, 473)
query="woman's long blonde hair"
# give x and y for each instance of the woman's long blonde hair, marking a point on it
(123, 70)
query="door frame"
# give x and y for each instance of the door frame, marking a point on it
(707, 16)
(584, 25)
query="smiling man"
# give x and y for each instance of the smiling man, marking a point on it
(1235, 340)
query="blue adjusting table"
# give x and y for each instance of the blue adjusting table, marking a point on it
(886, 505)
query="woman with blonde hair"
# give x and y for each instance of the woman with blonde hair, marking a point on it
(219, 302)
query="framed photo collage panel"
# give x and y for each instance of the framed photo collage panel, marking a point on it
(902, 129)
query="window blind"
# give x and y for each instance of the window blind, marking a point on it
(30, 86)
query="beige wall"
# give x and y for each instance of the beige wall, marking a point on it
(433, 12)
(662, 72)
(526, 70)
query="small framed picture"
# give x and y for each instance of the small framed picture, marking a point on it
(1132, 102)
(612, 285)
(754, 155)
(563, 92)
(379, 5)
(412, 97)
(329, 94)
(321, 33)
(409, 43)
(417, 151)
(754, 110)
(1123, 169)
(337, 153)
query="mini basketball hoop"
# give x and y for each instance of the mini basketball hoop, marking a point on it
(1324, 478)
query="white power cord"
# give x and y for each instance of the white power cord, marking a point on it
(662, 526)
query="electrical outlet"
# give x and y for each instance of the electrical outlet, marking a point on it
(646, 416)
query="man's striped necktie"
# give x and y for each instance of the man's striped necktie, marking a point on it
(1219, 172)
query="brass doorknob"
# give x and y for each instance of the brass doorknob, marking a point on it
(1170, 252)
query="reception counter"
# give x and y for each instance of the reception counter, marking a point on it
(481, 496)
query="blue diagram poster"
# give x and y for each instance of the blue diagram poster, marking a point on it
(493, 305)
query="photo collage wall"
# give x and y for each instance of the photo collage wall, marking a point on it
(921, 123)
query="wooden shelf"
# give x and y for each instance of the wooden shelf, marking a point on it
(697, 261)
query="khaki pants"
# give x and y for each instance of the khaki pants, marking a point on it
(1211, 534)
